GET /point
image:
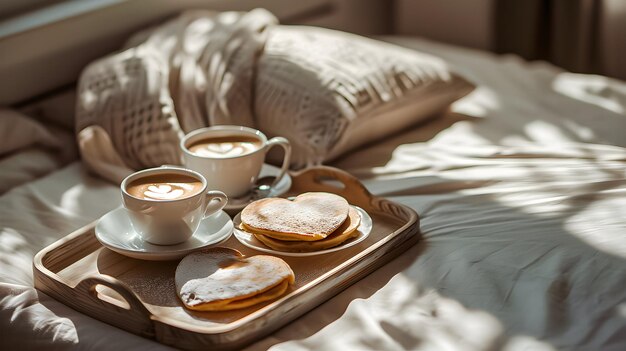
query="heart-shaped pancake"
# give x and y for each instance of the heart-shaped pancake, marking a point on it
(220, 279)
(346, 231)
(309, 217)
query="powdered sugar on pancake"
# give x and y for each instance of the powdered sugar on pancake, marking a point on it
(222, 274)
(346, 231)
(314, 215)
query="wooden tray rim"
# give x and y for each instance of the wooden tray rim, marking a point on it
(88, 229)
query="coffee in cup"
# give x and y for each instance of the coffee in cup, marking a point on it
(231, 157)
(167, 204)
(225, 147)
(164, 186)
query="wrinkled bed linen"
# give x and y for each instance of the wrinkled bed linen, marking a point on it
(521, 188)
(29, 150)
(33, 216)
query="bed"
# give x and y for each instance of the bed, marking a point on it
(521, 187)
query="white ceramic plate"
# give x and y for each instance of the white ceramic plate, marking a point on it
(237, 204)
(250, 241)
(114, 231)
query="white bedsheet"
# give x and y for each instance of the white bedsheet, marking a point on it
(522, 193)
(30, 150)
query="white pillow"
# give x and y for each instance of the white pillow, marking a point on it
(326, 91)
(329, 91)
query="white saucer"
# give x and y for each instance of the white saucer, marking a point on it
(114, 231)
(250, 241)
(237, 204)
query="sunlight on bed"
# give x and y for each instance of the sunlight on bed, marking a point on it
(621, 309)
(415, 316)
(478, 103)
(523, 343)
(607, 213)
(70, 199)
(600, 91)
(542, 130)
(89, 199)
(15, 258)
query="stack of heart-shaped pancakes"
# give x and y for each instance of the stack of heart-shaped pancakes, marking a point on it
(222, 279)
(311, 222)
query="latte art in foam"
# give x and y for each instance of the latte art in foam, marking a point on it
(225, 147)
(167, 191)
(164, 187)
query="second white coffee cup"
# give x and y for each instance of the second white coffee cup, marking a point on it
(231, 157)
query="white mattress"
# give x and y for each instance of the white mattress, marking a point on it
(522, 192)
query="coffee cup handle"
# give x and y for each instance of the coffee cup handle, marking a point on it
(284, 143)
(215, 201)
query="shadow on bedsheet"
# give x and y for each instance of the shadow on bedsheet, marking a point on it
(544, 257)
(552, 267)
(536, 261)
(379, 153)
(536, 268)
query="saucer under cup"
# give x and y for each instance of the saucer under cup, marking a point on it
(115, 232)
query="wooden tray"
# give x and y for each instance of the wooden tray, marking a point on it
(140, 297)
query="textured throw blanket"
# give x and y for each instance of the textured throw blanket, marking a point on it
(326, 91)
(192, 72)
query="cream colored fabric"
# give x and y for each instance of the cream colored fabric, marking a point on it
(18, 131)
(125, 95)
(29, 149)
(188, 73)
(329, 92)
(521, 190)
(326, 91)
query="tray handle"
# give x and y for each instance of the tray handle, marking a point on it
(135, 315)
(333, 180)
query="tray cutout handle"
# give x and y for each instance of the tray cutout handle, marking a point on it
(332, 180)
(108, 309)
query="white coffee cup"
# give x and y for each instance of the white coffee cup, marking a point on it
(235, 175)
(173, 221)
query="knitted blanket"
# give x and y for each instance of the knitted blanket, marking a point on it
(191, 72)
(326, 91)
